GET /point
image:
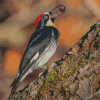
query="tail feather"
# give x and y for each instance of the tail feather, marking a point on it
(15, 84)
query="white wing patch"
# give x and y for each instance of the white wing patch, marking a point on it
(35, 57)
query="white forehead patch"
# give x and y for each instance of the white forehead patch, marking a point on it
(46, 13)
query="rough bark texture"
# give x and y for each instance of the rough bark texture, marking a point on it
(75, 77)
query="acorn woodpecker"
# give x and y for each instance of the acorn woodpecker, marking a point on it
(41, 47)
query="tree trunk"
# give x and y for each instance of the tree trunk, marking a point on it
(75, 77)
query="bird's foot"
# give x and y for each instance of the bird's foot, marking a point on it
(45, 72)
(57, 63)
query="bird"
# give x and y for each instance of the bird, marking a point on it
(41, 47)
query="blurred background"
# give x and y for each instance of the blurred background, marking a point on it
(17, 19)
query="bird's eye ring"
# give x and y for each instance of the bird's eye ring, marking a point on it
(45, 17)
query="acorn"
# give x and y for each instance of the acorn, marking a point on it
(62, 8)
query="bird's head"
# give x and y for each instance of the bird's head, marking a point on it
(47, 19)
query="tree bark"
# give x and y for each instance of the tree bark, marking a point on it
(75, 77)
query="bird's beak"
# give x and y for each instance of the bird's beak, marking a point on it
(56, 15)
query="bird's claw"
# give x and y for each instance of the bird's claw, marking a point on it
(45, 72)
(56, 63)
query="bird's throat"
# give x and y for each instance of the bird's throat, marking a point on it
(50, 23)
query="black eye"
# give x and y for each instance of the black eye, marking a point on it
(46, 17)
